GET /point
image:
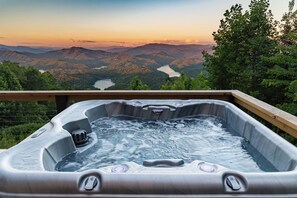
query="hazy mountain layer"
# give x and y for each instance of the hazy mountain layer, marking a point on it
(65, 63)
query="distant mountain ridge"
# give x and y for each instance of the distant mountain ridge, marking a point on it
(177, 51)
(26, 49)
(141, 59)
(76, 53)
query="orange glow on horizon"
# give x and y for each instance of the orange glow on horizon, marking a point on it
(58, 23)
(55, 42)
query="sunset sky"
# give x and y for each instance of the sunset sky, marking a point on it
(64, 23)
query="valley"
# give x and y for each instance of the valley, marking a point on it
(83, 68)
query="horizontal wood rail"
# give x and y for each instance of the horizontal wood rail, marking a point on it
(275, 116)
(281, 119)
(113, 95)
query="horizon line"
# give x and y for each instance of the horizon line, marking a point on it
(107, 46)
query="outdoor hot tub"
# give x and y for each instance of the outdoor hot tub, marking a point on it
(150, 148)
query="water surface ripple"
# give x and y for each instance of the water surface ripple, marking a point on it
(125, 139)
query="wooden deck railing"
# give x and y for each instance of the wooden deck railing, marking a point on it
(273, 115)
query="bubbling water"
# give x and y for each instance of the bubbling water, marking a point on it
(126, 139)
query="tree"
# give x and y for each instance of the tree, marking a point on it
(241, 41)
(288, 26)
(15, 134)
(262, 42)
(200, 82)
(14, 77)
(224, 66)
(184, 82)
(281, 80)
(34, 80)
(18, 119)
(137, 84)
(8, 80)
(50, 82)
(31, 79)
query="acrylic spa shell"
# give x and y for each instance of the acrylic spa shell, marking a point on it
(29, 169)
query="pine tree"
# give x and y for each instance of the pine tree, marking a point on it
(224, 66)
(137, 84)
(8, 80)
(200, 82)
(241, 41)
(262, 42)
(282, 77)
(288, 26)
(184, 82)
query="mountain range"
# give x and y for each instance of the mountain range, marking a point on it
(122, 60)
(26, 49)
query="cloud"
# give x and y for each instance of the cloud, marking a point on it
(28, 43)
(2, 37)
(122, 43)
(119, 42)
(86, 41)
(83, 41)
(176, 42)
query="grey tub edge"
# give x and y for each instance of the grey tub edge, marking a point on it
(53, 142)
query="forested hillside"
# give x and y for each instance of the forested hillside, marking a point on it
(19, 119)
(83, 67)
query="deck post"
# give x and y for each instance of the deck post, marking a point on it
(61, 102)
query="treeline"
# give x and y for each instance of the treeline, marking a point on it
(256, 54)
(19, 119)
(184, 82)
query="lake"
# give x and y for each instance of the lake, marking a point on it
(98, 68)
(103, 84)
(168, 70)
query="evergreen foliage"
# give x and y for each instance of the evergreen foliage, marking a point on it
(8, 80)
(281, 78)
(18, 119)
(184, 82)
(241, 41)
(137, 84)
(11, 136)
(257, 55)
